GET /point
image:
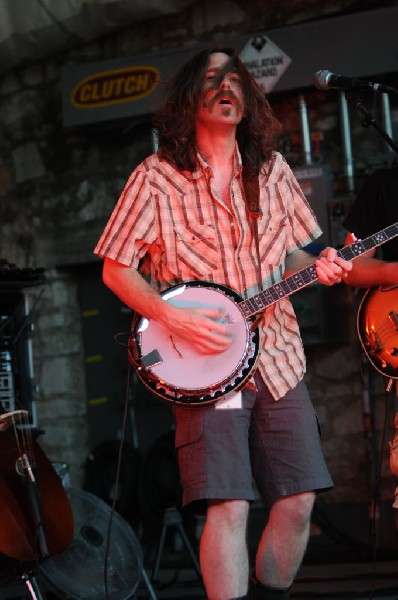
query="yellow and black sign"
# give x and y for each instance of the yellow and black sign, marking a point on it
(114, 87)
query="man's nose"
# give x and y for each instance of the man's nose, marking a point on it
(225, 84)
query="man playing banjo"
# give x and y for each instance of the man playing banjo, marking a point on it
(184, 216)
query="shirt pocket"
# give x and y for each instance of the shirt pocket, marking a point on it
(272, 232)
(196, 249)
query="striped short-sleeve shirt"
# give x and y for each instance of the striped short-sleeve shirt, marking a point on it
(173, 227)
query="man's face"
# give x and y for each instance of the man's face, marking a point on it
(221, 101)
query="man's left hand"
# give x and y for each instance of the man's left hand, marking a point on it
(331, 268)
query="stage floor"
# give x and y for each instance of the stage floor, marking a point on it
(337, 581)
(341, 581)
(342, 561)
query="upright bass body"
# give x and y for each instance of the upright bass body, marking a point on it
(18, 530)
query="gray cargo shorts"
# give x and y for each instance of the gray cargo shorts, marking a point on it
(275, 444)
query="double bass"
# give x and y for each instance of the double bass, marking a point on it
(36, 515)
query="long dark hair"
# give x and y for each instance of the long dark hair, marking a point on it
(175, 119)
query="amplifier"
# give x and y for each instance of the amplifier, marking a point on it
(7, 395)
(16, 361)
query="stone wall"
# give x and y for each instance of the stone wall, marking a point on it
(57, 188)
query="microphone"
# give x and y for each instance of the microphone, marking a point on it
(324, 80)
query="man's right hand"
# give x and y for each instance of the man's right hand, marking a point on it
(200, 327)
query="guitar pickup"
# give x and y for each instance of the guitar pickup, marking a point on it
(152, 359)
(374, 343)
(393, 316)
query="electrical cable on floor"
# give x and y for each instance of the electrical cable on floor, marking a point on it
(119, 462)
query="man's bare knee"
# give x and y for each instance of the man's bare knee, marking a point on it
(232, 513)
(296, 508)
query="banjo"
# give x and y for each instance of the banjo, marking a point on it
(175, 372)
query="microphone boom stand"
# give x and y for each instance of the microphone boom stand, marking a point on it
(370, 120)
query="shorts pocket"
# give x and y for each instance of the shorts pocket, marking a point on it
(190, 447)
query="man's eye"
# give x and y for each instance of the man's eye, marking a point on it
(210, 77)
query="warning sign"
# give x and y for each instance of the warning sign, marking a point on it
(265, 61)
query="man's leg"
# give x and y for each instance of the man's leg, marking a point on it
(284, 541)
(287, 465)
(223, 550)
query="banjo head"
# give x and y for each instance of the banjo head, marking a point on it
(173, 370)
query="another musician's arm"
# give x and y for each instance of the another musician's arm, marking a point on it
(368, 271)
(199, 326)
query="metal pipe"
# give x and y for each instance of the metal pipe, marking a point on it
(346, 139)
(386, 116)
(305, 130)
(154, 140)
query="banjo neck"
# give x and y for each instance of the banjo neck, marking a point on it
(304, 277)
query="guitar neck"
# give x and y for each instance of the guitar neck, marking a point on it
(301, 279)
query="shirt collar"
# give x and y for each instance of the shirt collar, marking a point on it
(204, 167)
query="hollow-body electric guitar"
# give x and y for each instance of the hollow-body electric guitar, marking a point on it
(377, 324)
(175, 372)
